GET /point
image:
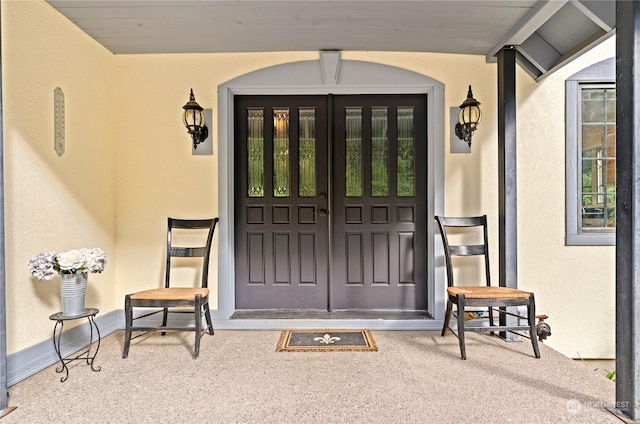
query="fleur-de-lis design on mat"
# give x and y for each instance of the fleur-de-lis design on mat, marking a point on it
(327, 339)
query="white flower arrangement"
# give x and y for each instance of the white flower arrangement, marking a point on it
(44, 265)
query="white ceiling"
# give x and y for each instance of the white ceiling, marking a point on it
(548, 32)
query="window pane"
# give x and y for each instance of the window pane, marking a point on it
(598, 153)
(307, 153)
(592, 137)
(255, 152)
(353, 151)
(281, 152)
(379, 152)
(611, 106)
(406, 147)
(592, 105)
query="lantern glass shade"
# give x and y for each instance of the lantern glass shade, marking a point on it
(193, 119)
(469, 115)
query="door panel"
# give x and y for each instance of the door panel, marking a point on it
(337, 224)
(281, 239)
(379, 208)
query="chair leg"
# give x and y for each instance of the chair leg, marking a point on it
(198, 330)
(461, 317)
(165, 314)
(531, 315)
(128, 319)
(207, 315)
(447, 318)
(491, 320)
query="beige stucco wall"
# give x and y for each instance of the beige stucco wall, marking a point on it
(129, 165)
(574, 285)
(52, 202)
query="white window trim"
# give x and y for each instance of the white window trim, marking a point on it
(601, 72)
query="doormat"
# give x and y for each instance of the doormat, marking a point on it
(326, 341)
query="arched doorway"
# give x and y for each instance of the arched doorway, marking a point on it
(327, 76)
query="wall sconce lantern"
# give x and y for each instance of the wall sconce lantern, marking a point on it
(468, 118)
(193, 119)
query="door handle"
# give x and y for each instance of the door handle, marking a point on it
(322, 212)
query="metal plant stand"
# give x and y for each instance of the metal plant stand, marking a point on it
(89, 314)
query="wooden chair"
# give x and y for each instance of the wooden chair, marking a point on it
(481, 295)
(197, 299)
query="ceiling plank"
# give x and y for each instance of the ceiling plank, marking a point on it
(476, 27)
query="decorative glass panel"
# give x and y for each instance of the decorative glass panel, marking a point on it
(353, 151)
(307, 153)
(255, 152)
(281, 169)
(406, 149)
(598, 176)
(379, 152)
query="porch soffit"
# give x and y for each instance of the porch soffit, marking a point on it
(547, 33)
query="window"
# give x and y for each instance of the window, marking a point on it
(591, 155)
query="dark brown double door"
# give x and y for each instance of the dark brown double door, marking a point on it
(331, 202)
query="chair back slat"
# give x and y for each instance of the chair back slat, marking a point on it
(467, 250)
(450, 250)
(203, 252)
(188, 252)
(192, 223)
(467, 221)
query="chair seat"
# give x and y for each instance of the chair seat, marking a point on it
(171, 293)
(488, 292)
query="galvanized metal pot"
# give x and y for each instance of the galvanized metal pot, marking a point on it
(73, 289)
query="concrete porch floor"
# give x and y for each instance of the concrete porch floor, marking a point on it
(415, 377)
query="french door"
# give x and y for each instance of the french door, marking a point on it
(330, 202)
